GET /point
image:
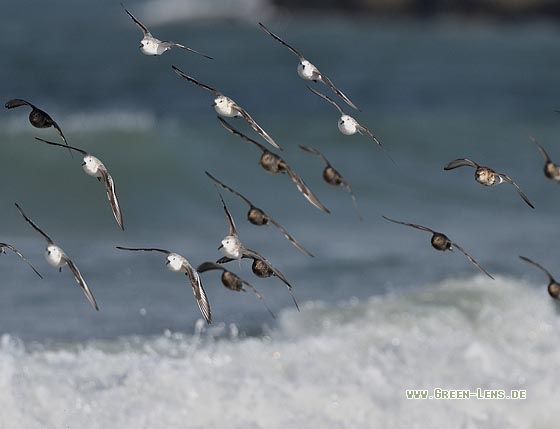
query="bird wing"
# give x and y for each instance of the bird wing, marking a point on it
(470, 258)
(289, 237)
(30, 222)
(196, 82)
(293, 50)
(327, 99)
(112, 196)
(80, 280)
(304, 189)
(169, 44)
(67, 146)
(255, 255)
(315, 152)
(509, 180)
(17, 252)
(141, 26)
(233, 191)
(255, 126)
(207, 266)
(337, 91)
(550, 278)
(231, 223)
(413, 225)
(232, 130)
(199, 293)
(17, 102)
(541, 149)
(460, 162)
(144, 249)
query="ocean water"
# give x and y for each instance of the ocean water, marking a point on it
(381, 311)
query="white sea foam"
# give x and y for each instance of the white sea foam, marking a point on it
(165, 11)
(343, 366)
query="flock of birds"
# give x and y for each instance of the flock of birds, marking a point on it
(231, 245)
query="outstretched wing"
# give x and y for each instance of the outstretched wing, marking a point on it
(337, 91)
(13, 249)
(112, 196)
(17, 102)
(470, 258)
(196, 82)
(413, 225)
(550, 278)
(233, 191)
(508, 179)
(541, 149)
(35, 227)
(80, 280)
(141, 26)
(168, 44)
(199, 293)
(255, 126)
(327, 99)
(289, 237)
(144, 249)
(461, 162)
(304, 189)
(231, 223)
(232, 130)
(207, 266)
(293, 50)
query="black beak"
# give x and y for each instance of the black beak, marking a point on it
(221, 245)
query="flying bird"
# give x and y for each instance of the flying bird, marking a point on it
(179, 264)
(551, 170)
(553, 286)
(4, 246)
(347, 125)
(56, 257)
(232, 281)
(441, 242)
(486, 176)
(308, 71)
(233, 249)
(94, 167)
(149, 45)
(332, 176)
(276, 165)
(225, 106)
(257, 216)
(38, 118)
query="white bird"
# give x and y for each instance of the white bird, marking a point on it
(149, 45)
(347, 125)
(4, 246)
(56, 257)
(308, 71)
(94, 167)
(225, 106)
(274, 164)
(257, 216)
(179, 264)
(233, 249)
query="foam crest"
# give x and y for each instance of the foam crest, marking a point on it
(341, 366)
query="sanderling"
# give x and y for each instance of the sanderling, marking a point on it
(332, 176)
(179, 264)
(257, 216)
(441, 242)
(232, 281)
(38, 118)
(56, 257)
(149, 45)
(232, 248)
(94, 167)
(551, 170)
(275, 164)
(553, 287)
(308, 71)
(4, 246)
(486, 176)
(225, 106)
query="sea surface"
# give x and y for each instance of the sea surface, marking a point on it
(381, 311)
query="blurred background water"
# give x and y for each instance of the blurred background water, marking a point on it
(381, 310)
